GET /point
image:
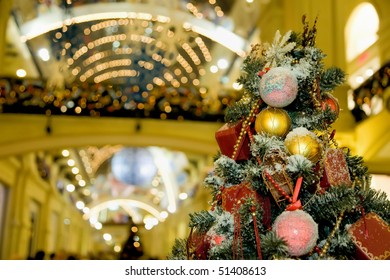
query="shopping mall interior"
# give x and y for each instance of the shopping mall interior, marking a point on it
(108, 111)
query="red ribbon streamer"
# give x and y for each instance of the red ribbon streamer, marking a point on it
(237, 237)
(295, 203)
(257, 236)
(297, 189)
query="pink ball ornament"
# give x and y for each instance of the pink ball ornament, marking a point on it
(298, 229)
(278, 87)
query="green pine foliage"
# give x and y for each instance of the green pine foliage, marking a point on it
(235, 233)
(179, 250)
(332, 78)
(273, 247)
(230, 170)
(202, 221)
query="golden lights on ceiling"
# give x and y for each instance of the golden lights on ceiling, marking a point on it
(176, 82)
(194, 10)
(114, 74)
(104, 54)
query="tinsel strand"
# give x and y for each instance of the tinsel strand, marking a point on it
(336, 227)
(244, 129)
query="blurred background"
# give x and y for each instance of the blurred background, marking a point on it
(108, 112)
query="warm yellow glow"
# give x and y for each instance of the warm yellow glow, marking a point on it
(134, 229)
(50, 22)
(237, 86)
(361, 30)
(168, 179)
(80, 204)
(43, 53)
(127, 205)
(183, 196)
(98, 226)
(65, 153)
(70, 188)
(106, 40)
(213, 69)
(107, 236)
(21, 73)
(106, 65)
(205, 51)
(87, 192)
(164, 214)
(115, 74)
(183, 62)
(191, 53)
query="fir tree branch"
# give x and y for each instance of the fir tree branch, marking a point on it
(332, 78)
(202, 221)
(273, 247)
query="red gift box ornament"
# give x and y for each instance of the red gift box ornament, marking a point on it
(232, 199)
(233, 142)
(336, 171)
(234, 196)
(371, 236)
(233, 138)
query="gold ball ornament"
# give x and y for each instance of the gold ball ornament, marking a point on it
(273, 121)
(301, 141)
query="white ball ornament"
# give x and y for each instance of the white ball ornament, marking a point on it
(278, 87)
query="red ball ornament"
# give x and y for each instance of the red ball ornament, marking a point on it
(298, 229)
(199, 245)
(278, 87)
(332, 103)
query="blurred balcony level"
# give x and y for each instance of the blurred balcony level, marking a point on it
(64, 115)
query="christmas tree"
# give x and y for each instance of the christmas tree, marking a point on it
(281, 186)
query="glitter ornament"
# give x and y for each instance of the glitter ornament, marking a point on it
(298, 229)
(331, 103)
(273, 121)
(198, 245)
(278, 87)
(301, 141)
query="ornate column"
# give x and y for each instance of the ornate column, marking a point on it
(17, 222)
(5, 10)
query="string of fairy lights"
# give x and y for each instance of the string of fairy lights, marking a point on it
(32, 96)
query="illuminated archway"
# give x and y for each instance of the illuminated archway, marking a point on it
(361, 30)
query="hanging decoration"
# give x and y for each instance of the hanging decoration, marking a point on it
(275, 175)
(336, 171)
(298, 229)
(278, 87)
(301, 141)
(273, 121)
(371, 236)
(134, 166)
